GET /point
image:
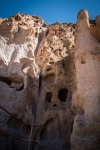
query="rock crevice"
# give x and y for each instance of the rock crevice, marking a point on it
(49, 75)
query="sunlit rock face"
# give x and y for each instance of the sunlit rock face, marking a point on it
(86, 97)
(49, 75)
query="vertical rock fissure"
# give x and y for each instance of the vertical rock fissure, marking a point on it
(37, 118)
(68, 60)
(40, 84)
(48, 97)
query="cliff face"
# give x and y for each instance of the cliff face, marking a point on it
(49, 75)
(86, 97)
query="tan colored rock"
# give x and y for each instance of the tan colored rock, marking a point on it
(95, 28)
(97, 21)
(39, 58)
(49, 75)
(86, 96)
(1, 20)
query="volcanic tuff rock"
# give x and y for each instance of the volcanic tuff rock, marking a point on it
(49, 75)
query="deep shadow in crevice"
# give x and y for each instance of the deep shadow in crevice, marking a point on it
(62, 94)
(72, 126)
(48, 97)
(21, 88)
(40, 83)
(6, 80)
(11, 83)
(47, 33)
(55, 105)
(40, 38)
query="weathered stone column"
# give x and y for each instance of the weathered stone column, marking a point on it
(86, 98)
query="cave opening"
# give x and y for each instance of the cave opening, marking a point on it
(48, 97)
(83, 61)
(54, 105)
(6, 80)
(62, 94)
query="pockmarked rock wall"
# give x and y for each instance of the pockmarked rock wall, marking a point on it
(86, 97)
(49, 75)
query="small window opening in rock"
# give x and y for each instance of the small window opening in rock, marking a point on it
(62, 94)
(54, 105)
(36, 21)
(51, 50)
(18, 29)
(51, 62)
(36, 35)
(83, 61)
(44, 25)
(71, 29)
(17, 18)
(48, 97)
(47, 32)
(63, 63)
(6, 80)
(48, 69)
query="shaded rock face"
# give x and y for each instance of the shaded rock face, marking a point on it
(49, 75)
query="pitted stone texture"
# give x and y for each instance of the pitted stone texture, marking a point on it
(36, 59)
(50, 77)
(86, 96)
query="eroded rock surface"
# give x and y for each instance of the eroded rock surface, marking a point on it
(49, 75)
(86, 97)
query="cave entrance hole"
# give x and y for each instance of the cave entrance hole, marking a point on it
(54, 105)
(48, 97)
(6, 80)
(62, 94)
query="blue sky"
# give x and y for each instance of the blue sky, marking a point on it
(50, 10)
